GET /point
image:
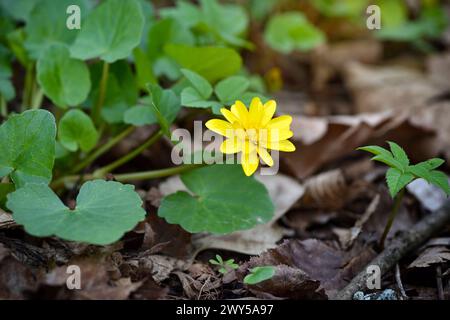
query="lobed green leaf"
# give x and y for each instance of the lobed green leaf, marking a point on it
(76, 130)
(27, 147)
(222, 200)
(104, 211)
(259, 274)
(110, 32)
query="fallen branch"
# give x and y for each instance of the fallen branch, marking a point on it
(404, 244)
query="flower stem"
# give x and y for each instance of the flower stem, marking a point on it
(126, 177)
(38, 96)
(106, 147)
(28, 86)
(3, 108)
(96, 111)
(391, 218)
(128, 157)
(154, 174)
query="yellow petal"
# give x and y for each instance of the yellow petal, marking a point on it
(229, 115)
(249, 162)
(265, 156)
(282, 122)
(274, 134)
(269, 111)
(230, 146)
(221, 127)
(283, 145)
(248, 147)
(256, 113)
(240, 111)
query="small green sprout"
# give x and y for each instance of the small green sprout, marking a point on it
(401, 173)
(259, 274)
(225, 266)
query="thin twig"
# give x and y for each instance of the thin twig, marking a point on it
(398, 279)
(405, 243)
(440, 287)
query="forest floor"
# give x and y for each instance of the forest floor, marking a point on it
(331, 201)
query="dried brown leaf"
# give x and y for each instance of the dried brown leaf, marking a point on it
(348, 236)
(315, 261)
(17, 280)
(430, 256)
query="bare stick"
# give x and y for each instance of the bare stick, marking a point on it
(398, 279)
(440, 287)
(405, 243)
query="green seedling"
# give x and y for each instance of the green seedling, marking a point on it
(259, 274)
(401, 173)
(225, 266)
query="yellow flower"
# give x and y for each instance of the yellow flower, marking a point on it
(252, 132)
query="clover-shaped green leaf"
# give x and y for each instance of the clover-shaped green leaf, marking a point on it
(105, 210)
(222, 200)
(63, 79)
(27, 147)
(110, 32)
(290, 31)
(76, 130)
(259, 274)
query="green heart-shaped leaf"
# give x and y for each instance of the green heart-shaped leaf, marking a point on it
(161, 106)
(19, 9)
(223, 200)
(76, 130)
(341, 8)
(110, 32)
(231, 89)
(27, 148)
(226, 21)
(200, 84)
(192, 98)
(213, 63)
(46, 25)
(259, 274)
(63, 79)
(105, 211)
(144, 70)
(167, 31)
(290, 31)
